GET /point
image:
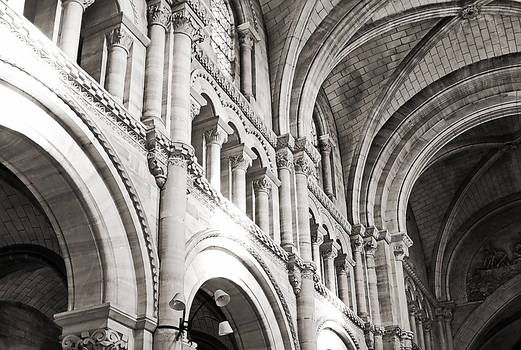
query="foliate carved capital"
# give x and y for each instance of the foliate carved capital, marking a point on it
(246, 39)
(317, 237)
(195, 109)
(470, 12)
(216, 135)
(182, 22)
(393, 331)
(119, 37)
(370, 246)
(240, 161)
(447, 314)
(303, 166)
(98, 339)
(262, 184)
(83, 3)
(325, 148)
(329, 250)
(181, 154)
(285, 159)
(308, 270)
(158, 14)
(341, 264)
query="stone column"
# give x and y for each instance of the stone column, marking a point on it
(412, 322)
(172, 237)
(262, 188)
(158, 17)
(370, 250)
(119, 42)
(215, 138)
(448, 329)
(17, 6)
(329, 251)
(285, 167)
(327, 172)
(247, 38)
(441, 329)
(357, 247)
(341, 265)
(306, 297)
(71, 26)
(419, 329)
(428, 336)
(317, 238)
(240, 158)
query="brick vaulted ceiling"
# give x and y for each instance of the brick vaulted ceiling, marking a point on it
(378, 62)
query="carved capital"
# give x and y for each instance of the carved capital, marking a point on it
(285, 141)
(308, 270)
(357, 243)
(240, 161)
(400, 243)
(329, 250)
(262, 184)
(370, 246)
(317, 237)
(216, 135)
(303, 165)
(158, 14)
(195, 109)
(342, 264)
(119, 37)
(285, 159)
(182, 22)
(181, 154)
(83, 3)
(98, 339)
(246, 39)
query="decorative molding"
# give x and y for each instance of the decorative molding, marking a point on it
(262, 184)
(98, 339)
(284, 159)
(470, 12)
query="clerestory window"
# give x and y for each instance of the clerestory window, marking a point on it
(222, 35)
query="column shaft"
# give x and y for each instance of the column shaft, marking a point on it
(239, 188)
(420, 337)
(370, 249)
(71, 27)
(359, 277)
(154, 66)
(317, 258)
(285, 163)
(116, 70)
(213, 164)
(181, 63)
(329, 272)
(246, 44)
(412, 322)
(343, 289)
(428, 339)
(303, 216)
(441, 332)
(262, 201)
(448, 333)
(326, 169)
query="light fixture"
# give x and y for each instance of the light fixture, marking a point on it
(221, 298)
(178, 302)
(225, 328)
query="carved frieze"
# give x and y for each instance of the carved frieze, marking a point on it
(98, 339)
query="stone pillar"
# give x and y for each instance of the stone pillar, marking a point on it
(428, 336)
(247, 38)
(341, 265)
(158, 16)
(329, 251)
(357, 247)
(441, 329)
(327, 171)
(215, 138)
(71, 26)
(172, 237)
(240, 159)
(262, 188)
(285, 168)
(317, 238)
(119, 42)
(306, 298)
(447, 316)
(17, 6)
(412, 322)
(370, 250)
(419, 329)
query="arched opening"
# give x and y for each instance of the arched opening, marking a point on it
(45, 15)
(330, 339)
(240, 313)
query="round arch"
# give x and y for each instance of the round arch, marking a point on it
(332, 336)
(265, 324)
(62, 163)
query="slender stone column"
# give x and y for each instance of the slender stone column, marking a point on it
(329, 251)
(419, 329)
(172, 237)
(71, 25)
(441, 329)
(428, 336)
(327, 172)
(306, 297)
(240, 158)
(317, 238)
(341, 266)
(247, 38)
(215, 138)
(357, 246)
(448, 329)
(262, 188)
(285, 166)
(17, 6)
(119, 42)
(412, 322)
(370, 250)
(158, 17)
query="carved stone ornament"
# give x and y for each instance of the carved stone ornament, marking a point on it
(294, 275)
(284, 159)
(263, 184)
(98, 339)
(195, 109)
(83, 3)
(240, 162)
(158, 14)
(369, 335)
(182, 22)
(370, 246)
(470, 12)
(181, 154)
(357, 243)
(302, 166)
(246, 38)
(216, 135)
(119, 37)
